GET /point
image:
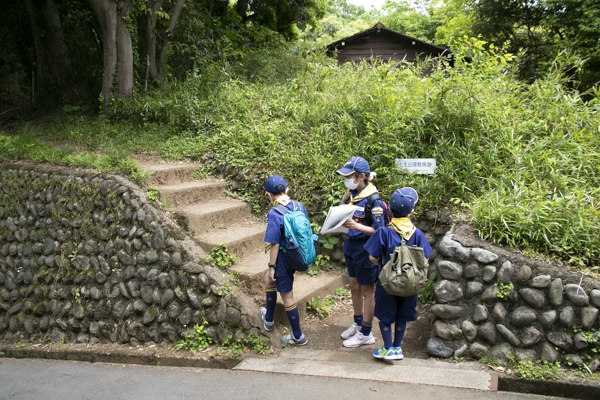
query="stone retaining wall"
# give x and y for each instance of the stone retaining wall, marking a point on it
(86, 258)
(493, 301)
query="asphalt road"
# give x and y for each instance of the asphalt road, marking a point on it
(64, 380)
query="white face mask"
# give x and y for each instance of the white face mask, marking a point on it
(349, 183)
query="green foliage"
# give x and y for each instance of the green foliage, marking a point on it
(252, 342)
(427, 295)
(322, 262)
(321, 307)
(328, 242)
(342, 293)
(219, 256)
(503, 290)
(20, 345)
(225, 289)
(196, 341)
(592, 338)
(236, 278)
(540, 370)
(152, 194)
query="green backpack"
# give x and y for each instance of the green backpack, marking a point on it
(405, 274)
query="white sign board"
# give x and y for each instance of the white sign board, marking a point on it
(416, 165)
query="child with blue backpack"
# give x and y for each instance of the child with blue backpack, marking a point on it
(390, 309)
(367, 218)
(280, 276)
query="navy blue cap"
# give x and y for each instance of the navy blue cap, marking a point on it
(353, 165)
(403, 200)
(275, 184)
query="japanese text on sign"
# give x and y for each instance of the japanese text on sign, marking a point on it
(416, 165)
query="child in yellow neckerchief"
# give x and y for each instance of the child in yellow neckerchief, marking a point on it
(363, 274)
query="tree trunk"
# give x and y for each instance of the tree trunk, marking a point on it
(157, 67)
(54, 69)
(242, 9)
(151, 41)
(117, 50)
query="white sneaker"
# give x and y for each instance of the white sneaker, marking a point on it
(359, 339)
(348, 333)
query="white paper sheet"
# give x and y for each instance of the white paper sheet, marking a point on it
(336, 216)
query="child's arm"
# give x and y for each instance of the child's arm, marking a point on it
(374, 260)
(273, 253)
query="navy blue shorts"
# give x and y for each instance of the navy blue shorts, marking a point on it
(284, 275)
(391, 309)
(358, 264)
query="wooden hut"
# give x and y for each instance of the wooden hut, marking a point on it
(385, 44)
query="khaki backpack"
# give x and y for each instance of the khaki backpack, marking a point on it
(405, 274)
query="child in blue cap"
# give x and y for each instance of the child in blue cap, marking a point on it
(363, 274)
(280, 276)
(390, 309)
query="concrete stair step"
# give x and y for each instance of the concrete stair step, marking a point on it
(307, 287)
(216, 213)
(252, 268)
(169, 174)
(241, 239)
(193, 192)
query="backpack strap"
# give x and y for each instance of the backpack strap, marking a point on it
(281, 209)
(369, 207)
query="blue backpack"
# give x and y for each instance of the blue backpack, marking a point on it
(300, 243)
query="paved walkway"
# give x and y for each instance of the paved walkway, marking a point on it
(65, 380)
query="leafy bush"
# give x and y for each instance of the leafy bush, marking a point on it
(523, 158)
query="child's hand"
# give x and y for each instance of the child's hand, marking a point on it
(272, 274)
(350, 224)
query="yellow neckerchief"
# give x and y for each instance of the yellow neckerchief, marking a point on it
(283, 200)
(364, 193)
(403, 226)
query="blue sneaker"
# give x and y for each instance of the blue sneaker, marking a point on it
(386, 354)
(397, 352)
(262, 312)
(292, 341)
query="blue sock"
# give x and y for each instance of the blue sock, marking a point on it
(294, 318)
(400, 329)
(271, 302)
(366, 328)
(386, 334)
(358, 319)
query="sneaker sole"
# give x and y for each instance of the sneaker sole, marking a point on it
(264, 324)
(371, 341)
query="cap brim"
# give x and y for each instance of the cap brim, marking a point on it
(344, 171)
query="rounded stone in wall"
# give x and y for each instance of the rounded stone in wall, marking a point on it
(469, 330)
(446, 311)
(508, 335)
(483, 256)
(541, 281)
(478, 350)
(480, 313)
(472, 271)
(530, 336)
(186, 316)
(437, 348)
(589, 315)
(501, 352)
(233, 317)
(595, 297)
(526, 355)
(487, 331)
(523, 316)
(499, 312)
(505, 272)
(446, 291)
(446, 330)
(579, 342)
(547, 318)
(535, 298)
(567, 317)
(577, 295)
(474, 288)
(561, 340)
(449, 270)
(489, 273)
